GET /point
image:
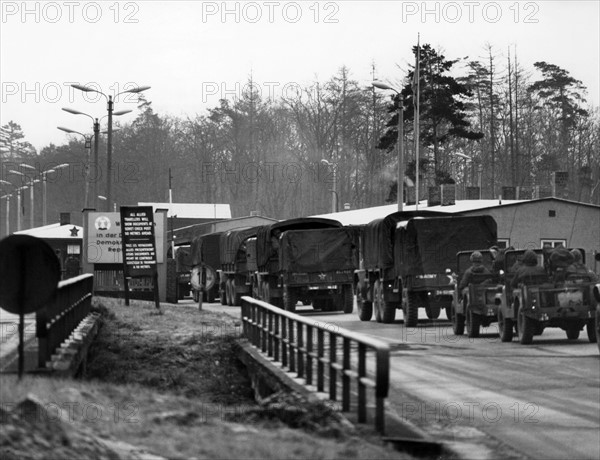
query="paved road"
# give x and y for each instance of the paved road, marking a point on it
(488, 398)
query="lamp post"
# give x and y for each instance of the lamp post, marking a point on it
(110, 103)
(45, 190)
(31, 191)
(400, 143)
(88, 147)
(96, 122)
(334, 197)
(30, 186)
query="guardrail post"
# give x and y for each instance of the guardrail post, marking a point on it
(362, 388)
(332, 370)
(309, 354)
(270, 332)
(277, 337)
(300, 350)
(292, 347)
(263, 331)
(320, 358)
(284, 342)
(381, 389)
(345, 376)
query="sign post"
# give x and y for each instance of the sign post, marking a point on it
(139, 247)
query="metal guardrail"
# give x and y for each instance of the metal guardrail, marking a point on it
(57, 320)
(299, 344)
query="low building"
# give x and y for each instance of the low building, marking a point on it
(66, 240)
(185, 214)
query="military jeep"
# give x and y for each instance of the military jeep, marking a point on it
(476, 304)
(555, 299)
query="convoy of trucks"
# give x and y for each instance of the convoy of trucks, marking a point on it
(407, 260)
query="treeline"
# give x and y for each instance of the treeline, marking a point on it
(487, 122)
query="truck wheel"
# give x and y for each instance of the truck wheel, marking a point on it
(412, 309)
(235, 296)
(289, 300)
(505, 327)
(573, 332)
(364, 307)
(433, 311)
(377, 301)
(458, 321)
(590, 328)
(473, 323)
(223, 294)
(347, 299)
(389, 312)
(525, 327)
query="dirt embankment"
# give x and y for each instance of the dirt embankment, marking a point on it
(169, 385)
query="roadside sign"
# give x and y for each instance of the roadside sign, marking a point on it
(138, 246)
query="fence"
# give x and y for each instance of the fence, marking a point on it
(56, 321)
(299, 344)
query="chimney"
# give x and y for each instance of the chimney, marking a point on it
(65, 218)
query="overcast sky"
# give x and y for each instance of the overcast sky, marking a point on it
(193, 53)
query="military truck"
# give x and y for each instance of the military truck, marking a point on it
(183, 268)
(205, 262)
(477, 304)
(307, 259)
(407, 260)
(554, 299)
(235, 277)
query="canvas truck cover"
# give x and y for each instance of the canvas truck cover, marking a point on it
(430, 245)
(377, 242)
(232, 240)
(322, 250)
(267, 238)
(183, 259)
(205, 249)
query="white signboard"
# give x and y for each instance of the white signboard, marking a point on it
(104, 238)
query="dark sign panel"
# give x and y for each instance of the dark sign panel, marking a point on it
(139, 250)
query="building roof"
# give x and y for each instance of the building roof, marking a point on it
(55, 231)
(193, 210)
(366, 215)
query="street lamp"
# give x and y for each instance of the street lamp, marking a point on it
(31, 191)
(110, 103)
(18, 192)
(400, 143)
(96, 122)
(334, 197)
(30, 186)
(88, 147)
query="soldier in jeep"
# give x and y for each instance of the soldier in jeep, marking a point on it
(579, 268)
(477, 267)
